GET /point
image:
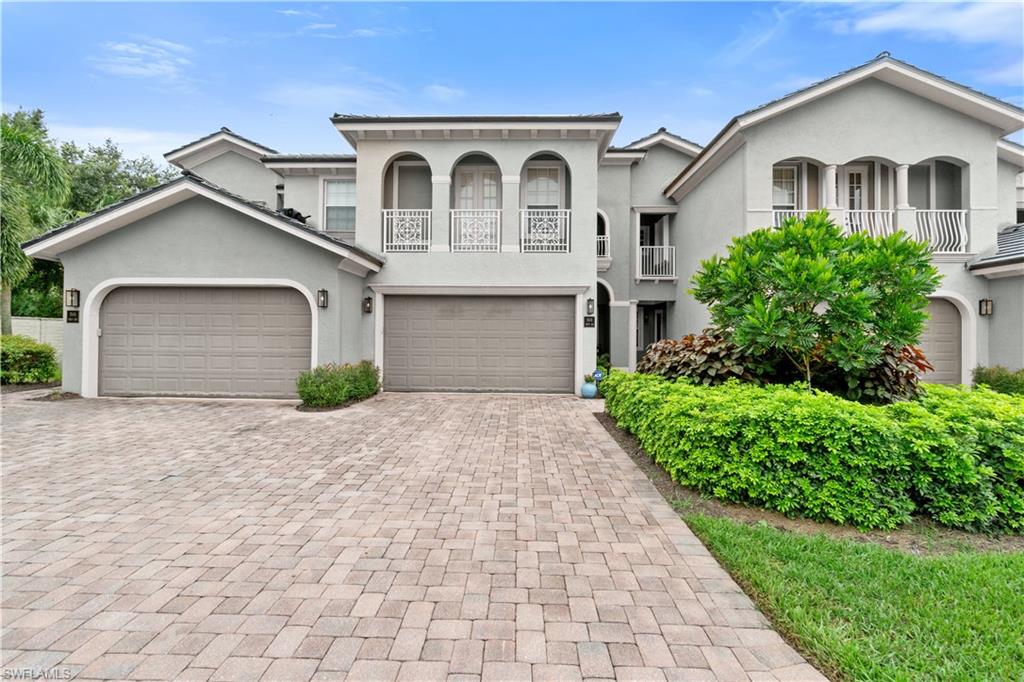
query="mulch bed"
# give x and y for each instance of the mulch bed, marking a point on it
(18, 388)
(920, 536)
(309, 408)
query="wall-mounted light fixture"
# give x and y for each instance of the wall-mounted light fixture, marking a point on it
(590, 306)
(985, 307)
(321, 298)
(368, 304)
(71, 298)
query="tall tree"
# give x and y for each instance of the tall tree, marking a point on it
(33, 191)
(102, 175)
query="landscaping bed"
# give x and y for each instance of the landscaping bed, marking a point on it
(333, 387)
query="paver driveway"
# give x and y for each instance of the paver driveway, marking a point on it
(412, 536)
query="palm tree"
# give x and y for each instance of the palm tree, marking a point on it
(33, 188)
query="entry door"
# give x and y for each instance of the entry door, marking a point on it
(856, 188)
(477, 188)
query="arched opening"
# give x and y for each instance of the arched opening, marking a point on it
(407, 197)
(476, 204)
(603, 237)
(546, 200)
(796, 188)
(939, 189)
(949, 339)
(604, 338)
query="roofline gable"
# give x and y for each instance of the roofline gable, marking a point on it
(664, 137)
(207, 146)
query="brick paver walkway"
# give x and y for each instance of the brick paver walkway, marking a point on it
(411, 537)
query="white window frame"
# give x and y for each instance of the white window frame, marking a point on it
(845, 185)
(524, 193)
(796, 187)
(478, 185)
(323, 200)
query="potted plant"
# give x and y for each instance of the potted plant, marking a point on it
(589, 388)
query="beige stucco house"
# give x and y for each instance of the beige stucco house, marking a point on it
(504, 253)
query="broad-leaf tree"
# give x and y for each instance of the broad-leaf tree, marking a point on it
(822, 299)
(33, 191)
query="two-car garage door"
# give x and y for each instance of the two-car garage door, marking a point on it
(207, 341)
(479, 343)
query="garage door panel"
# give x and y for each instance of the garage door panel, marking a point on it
(479, 343)
(941, 342)
(203, 341)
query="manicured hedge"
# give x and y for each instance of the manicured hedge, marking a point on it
(1000, 379)
(953, 454)
(26, 361)
(333, 385)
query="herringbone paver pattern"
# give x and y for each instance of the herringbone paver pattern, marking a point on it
(410, 537)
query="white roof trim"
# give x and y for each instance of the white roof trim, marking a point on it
(302, 165)
(91, 228)
(218, 139)
(618, 157)
(1010, 152)
(724, 141)
(669, 140)
(1003, 116)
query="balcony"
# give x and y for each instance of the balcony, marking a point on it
(544, 230)
(476, 230)
(780, 217)
(875, 223)
(657, 262)
(945, 230)
(406, 230)
(602, 246)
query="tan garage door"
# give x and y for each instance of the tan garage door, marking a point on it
(941, 342)
(210, 341)
(479, 343)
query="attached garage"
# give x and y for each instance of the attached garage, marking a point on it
(941, 342)
(203, 341)
(479, 343)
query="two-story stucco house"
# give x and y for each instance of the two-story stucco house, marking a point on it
(504, 253)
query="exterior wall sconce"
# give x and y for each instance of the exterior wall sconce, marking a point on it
(71, 298)
(321, 298)
(368, 304)
(590, 306)
(985, 307)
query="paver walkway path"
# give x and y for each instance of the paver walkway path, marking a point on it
(411, 537)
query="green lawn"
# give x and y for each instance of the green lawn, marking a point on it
(863, 612)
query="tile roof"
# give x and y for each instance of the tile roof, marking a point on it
(215, 134)
(542, 118)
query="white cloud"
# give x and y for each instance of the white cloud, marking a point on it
(134, 141)
(755, 36)
(154, 59)
(1011, 74)
(699, 91)
(980, 22)
(443, 93)
(297, 12)
(318, 27)
(355, 91)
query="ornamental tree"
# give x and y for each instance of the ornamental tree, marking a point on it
(819, 298)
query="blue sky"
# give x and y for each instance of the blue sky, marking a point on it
(152, 76)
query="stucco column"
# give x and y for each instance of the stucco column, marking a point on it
(620, 348)
(441, 203)
(831, 201)
(632, 336)
(903, 186)
(510, 213)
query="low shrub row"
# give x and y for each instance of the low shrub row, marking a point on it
(333, 385)
(26, 361)
(1000, 379)
(956, 455)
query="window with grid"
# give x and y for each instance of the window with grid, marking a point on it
(542, 188)
(340, 202)
(784, 188)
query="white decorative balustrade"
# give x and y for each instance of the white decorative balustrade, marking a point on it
(657, 262)
(875, 223)
(407, 229)
(476, 230)
(945, 230)
(782, 216)
(545, 230)
(602, 246)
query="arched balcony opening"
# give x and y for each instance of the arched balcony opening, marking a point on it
(546, 200)
(938, 189)
(407, 196)
(603, 236)
(476, 204)
(796, 188)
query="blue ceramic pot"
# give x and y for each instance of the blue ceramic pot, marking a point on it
(588, 390)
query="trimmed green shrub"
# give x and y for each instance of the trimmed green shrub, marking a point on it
(26, 361)
(332, 385)
(1000, 379)
(955, 455)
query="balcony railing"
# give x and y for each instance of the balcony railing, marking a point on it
(407, 229)
(545, 230)
(876, 223)
(602, 246)
(657, 262)
(782, 216)
(945, 230)
(476, 230)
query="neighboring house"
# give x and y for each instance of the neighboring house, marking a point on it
(505, 252)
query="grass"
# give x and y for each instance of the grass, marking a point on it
(862, 612)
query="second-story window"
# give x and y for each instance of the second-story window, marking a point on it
(784, 188)
(340, 205)
(477, 188)
(543, 187)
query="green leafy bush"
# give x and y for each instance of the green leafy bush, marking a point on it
(332, 385)
(955, 455)
(896, 377)
(707, 358)
(26, 361)
(1000, 379)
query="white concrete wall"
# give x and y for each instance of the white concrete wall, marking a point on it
(44, 329)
